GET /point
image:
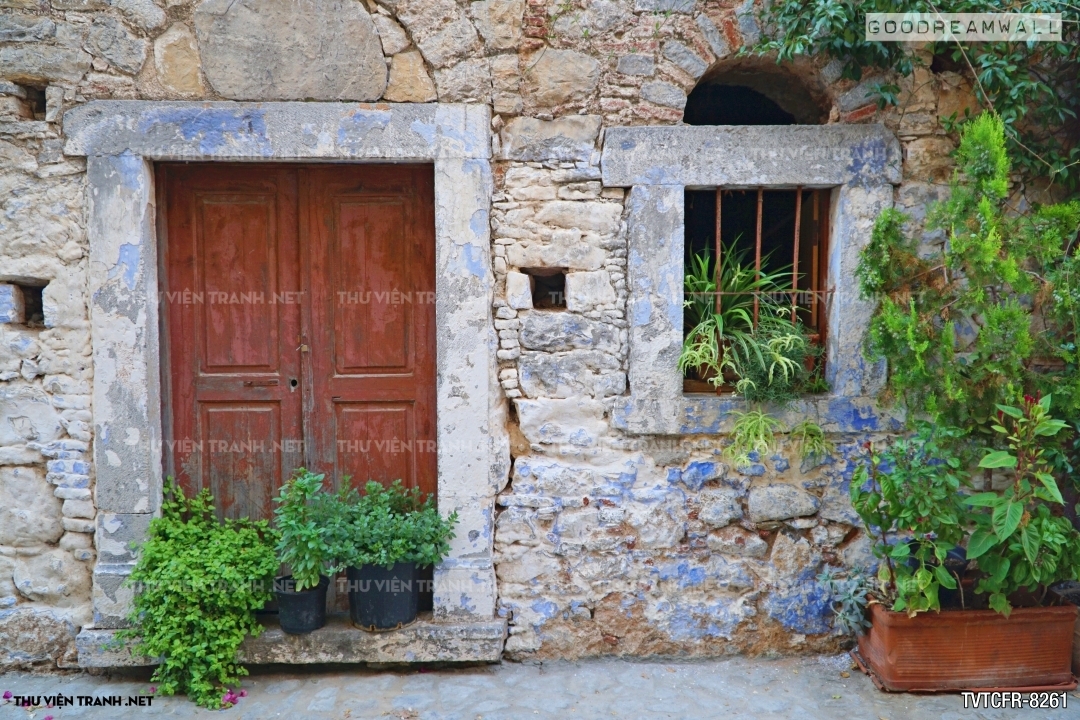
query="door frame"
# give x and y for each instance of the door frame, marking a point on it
(121, 140)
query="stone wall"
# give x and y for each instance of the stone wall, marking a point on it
(606, 542)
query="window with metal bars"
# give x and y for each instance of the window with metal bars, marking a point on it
(772, 233)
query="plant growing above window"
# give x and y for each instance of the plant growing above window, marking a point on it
(1028, 85)
(198, 584)
(959, 329)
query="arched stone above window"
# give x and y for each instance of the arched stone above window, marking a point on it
(755, 92)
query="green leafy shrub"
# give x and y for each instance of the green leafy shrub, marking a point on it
(1018, 542)
(992, 317)
(388, 525)
(198, 583)
(909, 501)
(304, 519)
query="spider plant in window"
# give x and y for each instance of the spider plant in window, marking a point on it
(710, 331)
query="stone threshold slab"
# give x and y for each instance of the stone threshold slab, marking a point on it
(337, 642)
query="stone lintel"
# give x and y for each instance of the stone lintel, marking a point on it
(268, 131)
(814, 156)
(337, 642)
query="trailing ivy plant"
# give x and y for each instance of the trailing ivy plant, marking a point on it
(993, 315)
(1030, 86)
(1018, 541)
(304, 523)
(198, 583)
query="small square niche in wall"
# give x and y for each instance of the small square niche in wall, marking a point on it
(548, 287)
(22, 304)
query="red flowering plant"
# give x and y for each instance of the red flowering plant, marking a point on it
(1021, 539)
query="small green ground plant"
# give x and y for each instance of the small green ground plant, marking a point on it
(847, 591)
(305, 519)
(198, 583)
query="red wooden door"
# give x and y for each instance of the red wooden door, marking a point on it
(287, 344)
(371, 245)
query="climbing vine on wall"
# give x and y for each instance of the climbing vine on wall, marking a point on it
(1031, 86)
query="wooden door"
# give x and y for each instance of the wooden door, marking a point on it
(371, 257)
(273, 361)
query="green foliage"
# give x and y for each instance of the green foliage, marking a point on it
(388, 525)
(959, 329)
(1017, 541)
(754, 431)
(1030, 86)
(768, 361)
(810, 441)
(198, 584)
(908, 499)
(847, 591)
(304, 519)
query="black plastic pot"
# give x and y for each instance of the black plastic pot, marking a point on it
(300, 611)
(382, 599)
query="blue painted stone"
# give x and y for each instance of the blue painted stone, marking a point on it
(752, 470)
(697, 473)
(780, 463)
(803, 608)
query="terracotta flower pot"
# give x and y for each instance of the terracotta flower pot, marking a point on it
(970, 649)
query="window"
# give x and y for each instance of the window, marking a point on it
(777, 235)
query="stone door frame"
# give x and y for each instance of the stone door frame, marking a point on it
(861, 163)
(121, 140)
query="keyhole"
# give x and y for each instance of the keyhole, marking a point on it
(292, 385)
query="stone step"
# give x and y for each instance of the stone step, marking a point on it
(337, 642)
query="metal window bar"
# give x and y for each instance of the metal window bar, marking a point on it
(813, 297)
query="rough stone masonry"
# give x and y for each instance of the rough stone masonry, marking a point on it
(612, 535)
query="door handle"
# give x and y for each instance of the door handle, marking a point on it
(260, 383)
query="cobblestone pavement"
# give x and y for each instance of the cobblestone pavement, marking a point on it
(737, 688)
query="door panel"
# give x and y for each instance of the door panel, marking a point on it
(231, 256)
(380, 445)
(237, 248)
(300, 326)
(372, 239)
(371, 331)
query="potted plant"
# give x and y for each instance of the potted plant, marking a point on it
(746, 340)
(390, 533)
(996, 553)
(303, 522)
(198, 583)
